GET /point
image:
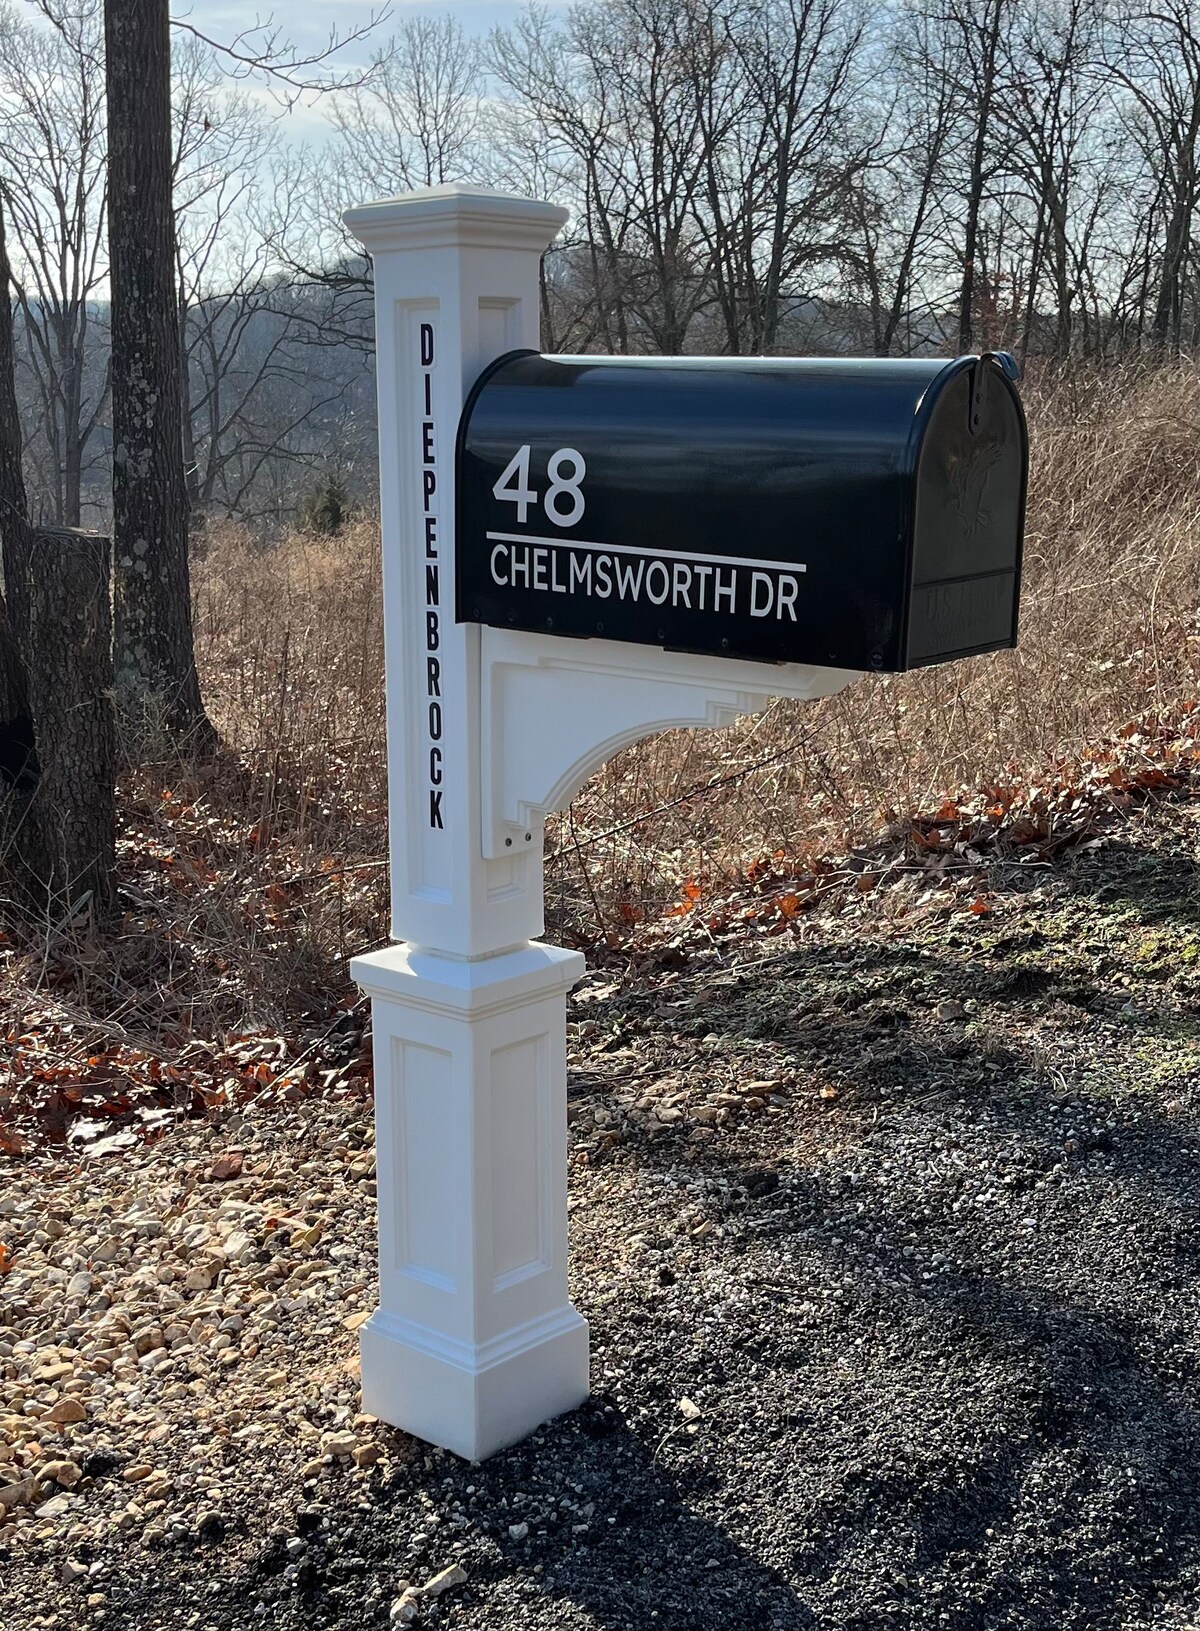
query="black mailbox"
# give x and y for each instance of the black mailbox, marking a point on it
(858, 514)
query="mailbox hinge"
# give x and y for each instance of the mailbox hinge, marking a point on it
(978, 389)
(1008, 366)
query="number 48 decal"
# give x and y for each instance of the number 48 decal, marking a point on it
(513, 486)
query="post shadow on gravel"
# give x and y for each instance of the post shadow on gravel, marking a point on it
(659, 1562)
(1071, 1488)
(932, 1080)
(1112, 1403)
(647, 1559)
(1081, 1377)
(1161, 885)
(1082, 1492)
(932, 1076)
(875, 1002)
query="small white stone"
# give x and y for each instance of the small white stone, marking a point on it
(455, 1575)
(54, 1507)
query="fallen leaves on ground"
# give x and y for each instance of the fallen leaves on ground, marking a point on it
(1070, 806)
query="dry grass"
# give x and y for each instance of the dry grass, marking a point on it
(249, 883)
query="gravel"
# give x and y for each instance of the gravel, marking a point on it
(887, 1232)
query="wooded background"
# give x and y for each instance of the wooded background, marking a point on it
(743, 175)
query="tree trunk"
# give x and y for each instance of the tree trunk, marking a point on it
(17, 761)
(68, 831)
(57, 742)
(155, 667)
(191, 474)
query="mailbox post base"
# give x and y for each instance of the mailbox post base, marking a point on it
(473, 1400)
(474, 1342)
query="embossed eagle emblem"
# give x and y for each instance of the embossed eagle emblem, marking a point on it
(968, 478)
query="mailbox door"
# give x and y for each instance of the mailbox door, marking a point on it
(968, 517)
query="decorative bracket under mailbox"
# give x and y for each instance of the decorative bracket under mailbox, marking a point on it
(554, 711)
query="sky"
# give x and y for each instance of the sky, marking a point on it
(307, 24)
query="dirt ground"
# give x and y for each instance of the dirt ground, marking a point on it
(887, 1232)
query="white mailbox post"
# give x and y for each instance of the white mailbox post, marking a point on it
(475, 1341)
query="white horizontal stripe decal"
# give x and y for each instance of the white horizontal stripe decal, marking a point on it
(696, 559)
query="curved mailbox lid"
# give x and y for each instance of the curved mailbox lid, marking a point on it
(767, 508)
(968, 515)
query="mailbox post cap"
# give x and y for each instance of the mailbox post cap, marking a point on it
(455, 216)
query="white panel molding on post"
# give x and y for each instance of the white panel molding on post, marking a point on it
(475, 1341)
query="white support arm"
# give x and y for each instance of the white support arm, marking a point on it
(555, 710)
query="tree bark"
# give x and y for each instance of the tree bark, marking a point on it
(67, 836)
(155, 666)
(17, 760)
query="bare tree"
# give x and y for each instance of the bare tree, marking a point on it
(241, 328)
(56, 707)
(703, 144)
(893, 254)
(415, 119)
(264, 52)
(1153, 54)
(155, 663)
(52, 181)
(1052, 110)
(16, 720)
(611, 89)
(780, 181)
(977, 33)
(221, 143)
(566, 122)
